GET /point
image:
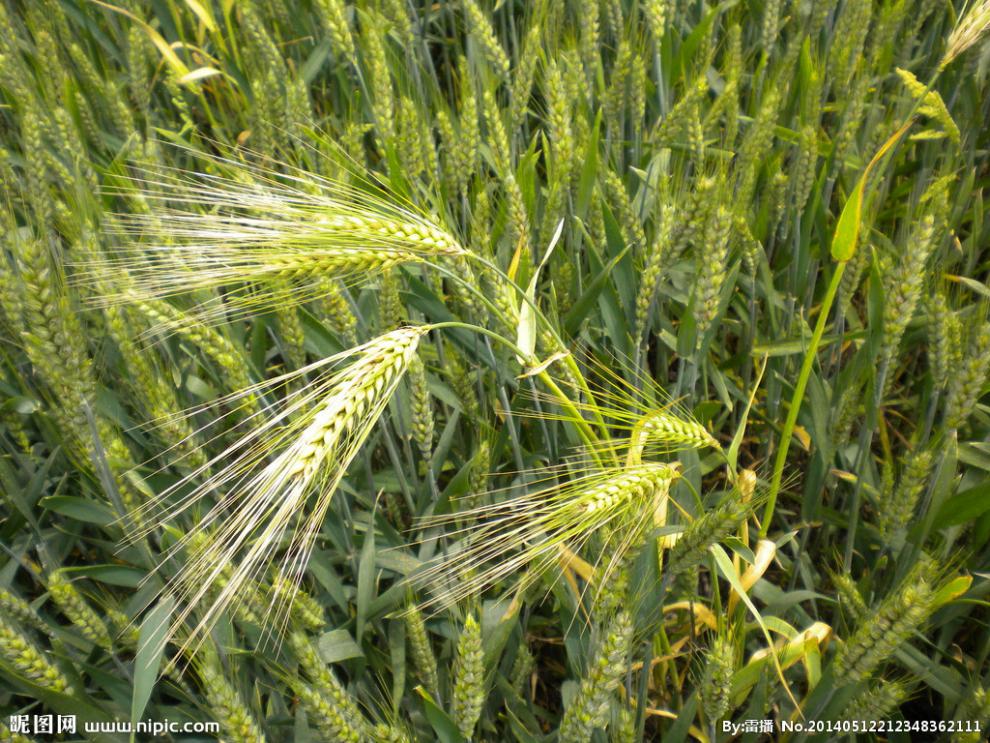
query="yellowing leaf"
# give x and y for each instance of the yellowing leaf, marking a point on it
(204, 14)
(200, 73)
(953, 589)
(171, 58)
(526, 330)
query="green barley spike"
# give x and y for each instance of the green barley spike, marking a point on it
(480, 29)
(706, 530)
(657, 15)
(883, 631)
(28, 660)
(590, 39)
(379, 77)
(421, 409)
(522, 78)
(879, 701)
(72, 604)
(771, 25)
(20, 610)
(625, 729)
(967, 383)
(469, 679)
(974, 713)
(334, 17)
(226, 705)
(522, 671)
(398, 14)
(337, 311)
(331, 723)
(716, 684)
(424, 661)
(850, 599)
(902, 287)
(9, 736)
(348, 722)
(850, 34)
(305, 609)
(589, 710)
(944, 333)
(622, 204)
(712, 269)
(651, 273)
(385, 733)
(897, 512)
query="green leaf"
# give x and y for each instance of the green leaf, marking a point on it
(151, 647)
(311, 67)
(440, 721)
(733, 454)
(580, 309)
(80, 509)
(365, 577)
(964, 507)
(846, 233)
(338, 645)
(112, 575)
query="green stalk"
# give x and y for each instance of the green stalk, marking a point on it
(795, 407)
(843, 248)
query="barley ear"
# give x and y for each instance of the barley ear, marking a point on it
(77, 610)
(589, 709)
(226, 705)
(28, 660)
(717, 681)
(424, 661)
(469, 679)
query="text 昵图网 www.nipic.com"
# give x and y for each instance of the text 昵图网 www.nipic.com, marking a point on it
(55, 724)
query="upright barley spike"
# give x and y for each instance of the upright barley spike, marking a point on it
(897, 512)
(881, 633)
(974, 710)
(712, 269)
(333, 13)
(850, 599)
(902, 289)
(944, 332)
(589, 709)
(480, 29)
(469, 679)
(335, 712)
(717, 681)
(965, 386)
(421, 409)
(424, 661)
(706, 530)
(226, 704)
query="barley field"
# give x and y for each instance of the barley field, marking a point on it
(548, 371)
